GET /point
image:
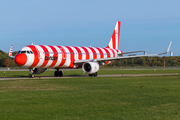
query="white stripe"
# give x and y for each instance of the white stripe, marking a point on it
(110, 44)
(90, 53)
(50, 54)
(97, 52)
(41, 55)
(104, 52)
(59, 57)
(116, 34)
(30, 57)
(82, 51)
(111, 54)
(75, 53)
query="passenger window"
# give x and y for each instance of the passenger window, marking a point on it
(28, 52)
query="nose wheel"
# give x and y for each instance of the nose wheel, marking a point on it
(31, 75)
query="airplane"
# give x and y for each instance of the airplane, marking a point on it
(40, 57)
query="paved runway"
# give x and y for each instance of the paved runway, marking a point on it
(76, 76)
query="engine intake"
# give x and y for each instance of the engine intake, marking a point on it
(90, 67)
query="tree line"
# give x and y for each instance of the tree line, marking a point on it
(148, 61)
(6, 61)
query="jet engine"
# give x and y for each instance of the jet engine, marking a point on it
(90, 67)
(39, 70)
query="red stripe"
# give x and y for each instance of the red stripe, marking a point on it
(119, 23)
(55, 59)
(46, 55)
(71, 56)
(36, 55)
(113, 52)
(114, 40)
(63, 52)
(107, 46)
(94, 52)
(86, 52)
(79, 53)
(106, 63)
(117, 50)
(107, 52)
(121, 51)
(101, 52)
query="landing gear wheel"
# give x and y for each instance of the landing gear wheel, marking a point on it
(31, 75)
(58, 73)
(90, 75)
(94, 74)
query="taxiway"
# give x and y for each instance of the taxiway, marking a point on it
(76, 76)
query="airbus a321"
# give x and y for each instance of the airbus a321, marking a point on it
(40, 57)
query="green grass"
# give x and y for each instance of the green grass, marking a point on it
(97, 98)
(80, 72)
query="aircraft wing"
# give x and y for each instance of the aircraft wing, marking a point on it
(118, 58)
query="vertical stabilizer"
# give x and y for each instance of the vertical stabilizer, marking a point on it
(114, 42)
(10, 52)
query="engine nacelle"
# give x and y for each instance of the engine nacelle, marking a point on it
(90, 67)
(39, 70)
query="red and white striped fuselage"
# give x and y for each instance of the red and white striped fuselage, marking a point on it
(48, 56)
(40, 57)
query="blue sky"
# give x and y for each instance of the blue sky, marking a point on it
(145, 24)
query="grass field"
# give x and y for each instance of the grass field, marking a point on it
(96, 98)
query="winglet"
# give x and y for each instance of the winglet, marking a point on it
(10, 52)
(167, 49)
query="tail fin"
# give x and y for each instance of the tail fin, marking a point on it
(10, 52)
(114, 42)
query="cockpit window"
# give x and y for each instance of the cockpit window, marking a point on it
(28, 52)
(23, 51)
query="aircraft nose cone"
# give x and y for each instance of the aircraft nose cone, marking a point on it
(20, 59)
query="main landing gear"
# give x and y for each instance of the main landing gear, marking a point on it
(94, 74)
(58, 73)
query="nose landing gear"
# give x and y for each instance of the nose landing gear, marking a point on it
(31, 75)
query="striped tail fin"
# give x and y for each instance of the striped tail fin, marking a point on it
(114, 42)
(10, 52)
